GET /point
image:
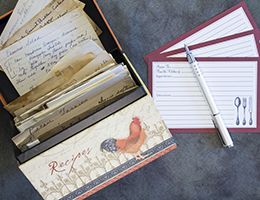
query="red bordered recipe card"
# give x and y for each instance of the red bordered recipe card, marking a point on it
(233, 21)
(239, 45)
(234, 83)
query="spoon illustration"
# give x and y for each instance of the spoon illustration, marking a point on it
(237, 103)
(250, 110)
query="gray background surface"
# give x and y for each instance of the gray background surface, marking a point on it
(200, 168)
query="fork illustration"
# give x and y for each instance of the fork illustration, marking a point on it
(244, 104)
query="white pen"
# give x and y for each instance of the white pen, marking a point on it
(217, 119)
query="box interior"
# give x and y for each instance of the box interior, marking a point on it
(111, 45)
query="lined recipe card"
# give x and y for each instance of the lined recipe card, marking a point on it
(233, 23)
(245, 46)
(180, 101)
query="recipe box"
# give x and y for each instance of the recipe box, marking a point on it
(70, 164)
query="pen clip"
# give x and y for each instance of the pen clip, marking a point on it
(219, 135)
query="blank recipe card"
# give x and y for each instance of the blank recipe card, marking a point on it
(227, 49)
(178, 96)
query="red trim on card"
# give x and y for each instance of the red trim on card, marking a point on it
(249, 15)
(214, 131)
(127, 172)
(198, 28)
(211, 130)
(258, 39)
(212, 42)
(150, 76)
(258, 98)
(214, 59)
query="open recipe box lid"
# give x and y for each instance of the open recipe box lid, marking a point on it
(70, 164)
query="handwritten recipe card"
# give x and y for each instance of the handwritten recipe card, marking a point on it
(23, 12)
(25, 62)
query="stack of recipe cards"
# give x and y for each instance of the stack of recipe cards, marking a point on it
(62, 74)
(84, 118)
(227, 48)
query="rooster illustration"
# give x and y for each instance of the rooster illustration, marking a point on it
(132, 144)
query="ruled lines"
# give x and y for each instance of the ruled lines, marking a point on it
(233, 23)
(180, 101)
(239, 47)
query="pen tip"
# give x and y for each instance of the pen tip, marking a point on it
(186, 47)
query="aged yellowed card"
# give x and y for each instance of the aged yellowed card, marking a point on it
(34, 56)
(54, 10)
